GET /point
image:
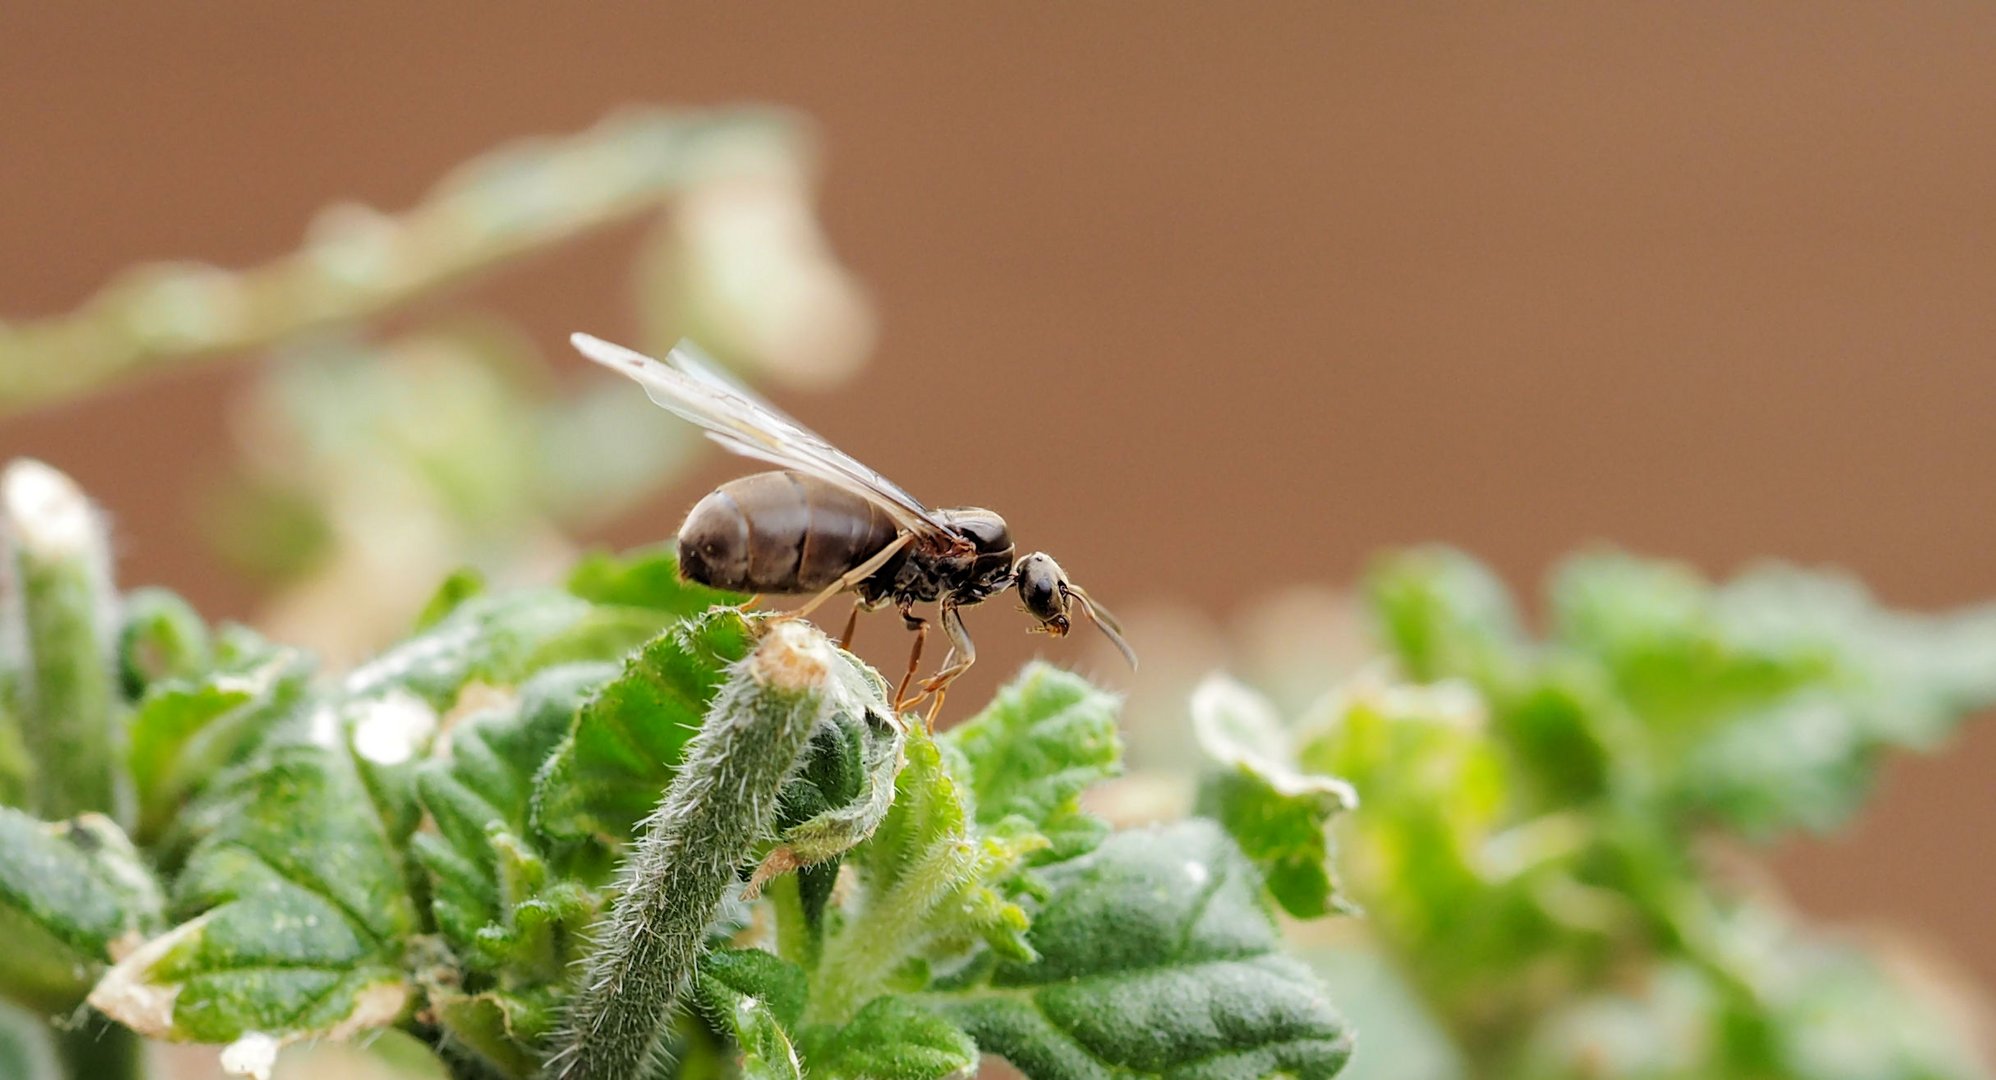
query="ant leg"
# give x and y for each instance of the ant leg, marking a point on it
(962, 654)
(852, 577)
(852, 624)
(935, 706)
(921, 628)
(962, 651)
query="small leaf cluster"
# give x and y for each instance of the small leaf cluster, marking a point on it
(1544, 824)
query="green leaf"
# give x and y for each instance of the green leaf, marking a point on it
(484, 864)
(749, 994)
(1276, 811)
(1672, 651)
(1423, 851)
(1442, 613)
(1069, 832)
(626, 741)
(931, 882)
(1820, 1009)
(188, 728)
(1567, 735)
(646, 578)
(1156, 958)
(1800, 763)
(397, 1052)
(501, 640)
(162, 638)
(451, 594)
(1766, 701)
(756, 998)
(890, 1039)
(502, 1029)
(71, 894)
(1048, 735)
(298, 912)
(1908, 678)
(777, 983)
(929, 811)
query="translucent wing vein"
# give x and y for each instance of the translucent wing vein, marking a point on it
(689, 386)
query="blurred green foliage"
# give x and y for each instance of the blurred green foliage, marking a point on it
(1544, 841)
(451, 439)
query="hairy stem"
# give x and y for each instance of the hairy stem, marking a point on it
(59, 641)
(722, 800)
(359, 263)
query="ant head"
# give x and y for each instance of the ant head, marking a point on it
(1043, 590)
(1047, 595)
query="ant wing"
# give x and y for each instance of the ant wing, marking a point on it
(691, 387)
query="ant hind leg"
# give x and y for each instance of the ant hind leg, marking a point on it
(852, 577)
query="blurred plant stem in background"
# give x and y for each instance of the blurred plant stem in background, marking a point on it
(374, 465)
(746, 267)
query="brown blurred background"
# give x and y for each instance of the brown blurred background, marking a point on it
(1204, 300)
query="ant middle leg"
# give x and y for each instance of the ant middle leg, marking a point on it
(852, 625)
(921, 628)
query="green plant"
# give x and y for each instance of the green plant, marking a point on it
(624, 828)
(615, 829)
(1548, 841)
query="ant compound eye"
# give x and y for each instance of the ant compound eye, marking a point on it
(1041, 595)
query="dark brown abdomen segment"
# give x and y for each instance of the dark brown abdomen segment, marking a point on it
(779, 532)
